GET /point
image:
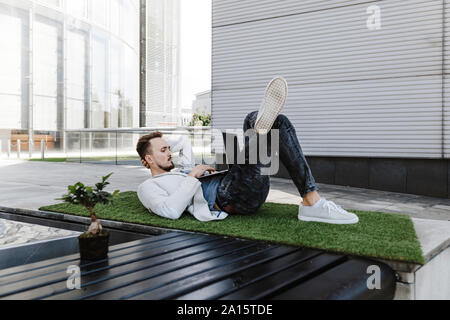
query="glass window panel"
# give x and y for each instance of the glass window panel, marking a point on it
(116, 67)
(115, 16)
(77, 8)
(45, 66)
(99, 11)
(13, 70)
(76, 62)
(76, 66)
(131, 88)
(10, 54)
(53, 3)
(99, 84)
(44, 113)
(130, 27)
(114, 111)
(115, 83)
(162, 60)
(10, 111)
(45, 59)
(75, 114)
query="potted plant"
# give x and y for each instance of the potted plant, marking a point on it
(93, 243)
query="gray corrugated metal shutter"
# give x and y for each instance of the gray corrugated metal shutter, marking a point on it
(352, 91)
(237, 11)
(447, 81)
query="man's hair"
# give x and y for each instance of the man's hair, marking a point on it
(143, 146)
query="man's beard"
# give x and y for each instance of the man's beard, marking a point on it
(169, 167)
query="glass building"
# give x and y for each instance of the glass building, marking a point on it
(66, 64)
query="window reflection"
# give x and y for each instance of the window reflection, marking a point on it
(116, 86)
(99, 78)
(76, 80)
(116, 16)
(45, 75)
(83, 73)
(11, 69)
(163, 78)
(99, 11)
(53, 3)
(77, 8)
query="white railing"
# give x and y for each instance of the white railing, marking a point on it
(113, 145)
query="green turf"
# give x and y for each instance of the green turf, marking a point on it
(378, 234)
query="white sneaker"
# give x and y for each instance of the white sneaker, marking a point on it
(327, 212)
(272, 104)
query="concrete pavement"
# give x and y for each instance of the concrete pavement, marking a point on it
(30, 185)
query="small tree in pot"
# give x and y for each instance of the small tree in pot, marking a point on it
(94, 242)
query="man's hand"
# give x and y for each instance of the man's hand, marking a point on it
(199, 170)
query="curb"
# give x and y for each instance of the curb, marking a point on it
(124, 226)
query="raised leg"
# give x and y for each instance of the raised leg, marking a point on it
(291, 155)
(245, 189)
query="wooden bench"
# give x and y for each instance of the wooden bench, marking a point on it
(48, 140)
(180, 265)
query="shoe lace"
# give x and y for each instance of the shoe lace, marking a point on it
(331, 205)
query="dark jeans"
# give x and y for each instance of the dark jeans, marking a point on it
(244, 189)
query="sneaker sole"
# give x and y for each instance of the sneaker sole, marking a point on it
(310, 219)
(273, 103)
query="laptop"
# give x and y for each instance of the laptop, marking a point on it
(226, 166)
(213, 174)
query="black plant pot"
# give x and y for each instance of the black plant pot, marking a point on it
(93, 248)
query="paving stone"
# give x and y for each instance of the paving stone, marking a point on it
(443, 207)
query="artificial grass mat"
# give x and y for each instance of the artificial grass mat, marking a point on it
(377, 235)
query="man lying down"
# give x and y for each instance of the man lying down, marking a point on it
(244, 188)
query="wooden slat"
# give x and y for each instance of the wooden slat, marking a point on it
(117, 258)
(41, 265)
(309, 268)
(62, 266)
(196, 266)
(345, 281)
(93, 285)
(181, 286)
(248, 276)
(188, 272)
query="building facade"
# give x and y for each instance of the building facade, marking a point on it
(202, 103)
(66, 64)
(163, 107)
(369, 85)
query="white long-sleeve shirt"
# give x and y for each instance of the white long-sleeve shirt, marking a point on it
(170, 194)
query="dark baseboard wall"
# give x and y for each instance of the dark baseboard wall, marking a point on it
(427, 177)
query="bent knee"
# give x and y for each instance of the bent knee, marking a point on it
(251, 117)
(282, 120)
(281, 117)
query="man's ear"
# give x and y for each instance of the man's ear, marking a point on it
(148, 159)
(145, 163)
